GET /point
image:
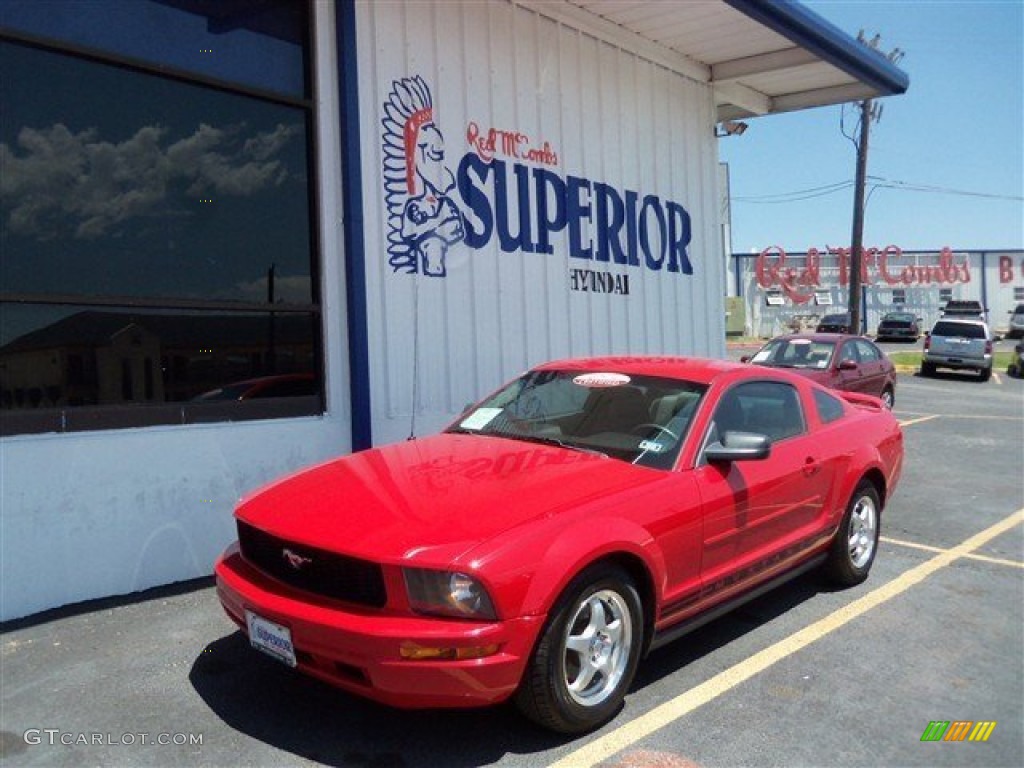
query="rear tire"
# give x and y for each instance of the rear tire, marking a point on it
(856, 542)
(587, 655)
(986, 374)
(927, 369)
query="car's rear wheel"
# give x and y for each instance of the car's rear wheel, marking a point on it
(986, 374)
(888, 397)
(927, 369)
(856, 542)
(587, 655)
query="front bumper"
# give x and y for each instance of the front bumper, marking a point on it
(360, 650)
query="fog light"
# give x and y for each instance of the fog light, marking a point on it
(414, 652)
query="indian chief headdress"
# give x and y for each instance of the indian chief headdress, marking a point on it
(423, 218)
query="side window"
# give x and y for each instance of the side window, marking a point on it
(829, 408)
(765, 407)
(868, 352)
(849, 352)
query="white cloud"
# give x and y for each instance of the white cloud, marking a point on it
(55, 181)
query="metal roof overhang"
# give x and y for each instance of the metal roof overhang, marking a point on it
(761, 57)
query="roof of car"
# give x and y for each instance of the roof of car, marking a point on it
(820, 337)
(696, 369)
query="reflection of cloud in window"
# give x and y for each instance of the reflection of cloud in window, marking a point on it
(56, 180)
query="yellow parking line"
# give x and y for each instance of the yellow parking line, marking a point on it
(927, 548)
(615, 741)
(918, 420)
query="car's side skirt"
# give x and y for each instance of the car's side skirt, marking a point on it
(676, 631)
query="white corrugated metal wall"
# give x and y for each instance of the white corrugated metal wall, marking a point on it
(612, 117)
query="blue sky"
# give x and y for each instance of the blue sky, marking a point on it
(960, 126)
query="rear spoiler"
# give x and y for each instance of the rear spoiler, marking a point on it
(861, 400)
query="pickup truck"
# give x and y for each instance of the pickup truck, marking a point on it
(960, 344)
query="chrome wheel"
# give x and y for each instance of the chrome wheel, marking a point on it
(863, 531)
(888, 398)
(598, 640)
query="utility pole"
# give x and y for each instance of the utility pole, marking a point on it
(857, 238)
(868, 112)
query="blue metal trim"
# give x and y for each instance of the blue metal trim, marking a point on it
(352, 210)
(809, 30)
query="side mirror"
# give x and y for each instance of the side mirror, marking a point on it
(739, 446)
(745, 359)
(847, 365)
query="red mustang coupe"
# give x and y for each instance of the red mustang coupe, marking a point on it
(836, 360)
(585, 513)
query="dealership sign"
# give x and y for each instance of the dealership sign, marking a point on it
(507, 191)
(883, 266)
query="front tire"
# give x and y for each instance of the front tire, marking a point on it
(889, 398)
(856, 542)
(587, 655)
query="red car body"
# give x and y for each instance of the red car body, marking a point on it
(524, 521)
(854, 364)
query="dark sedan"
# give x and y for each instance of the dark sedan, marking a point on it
(839, 361)
(837, 323)
(899, 326)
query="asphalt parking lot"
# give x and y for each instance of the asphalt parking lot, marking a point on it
(804, 676)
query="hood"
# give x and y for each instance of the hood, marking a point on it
(433, 499)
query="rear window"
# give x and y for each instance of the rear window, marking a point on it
(963, 330)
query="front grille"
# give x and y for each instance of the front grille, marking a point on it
(314, 570)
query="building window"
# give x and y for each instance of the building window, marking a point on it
(945, 295)
(158, 215)
(899, 296)
(1018, 293)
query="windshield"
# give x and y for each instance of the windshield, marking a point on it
(795, 353)
(639, 419)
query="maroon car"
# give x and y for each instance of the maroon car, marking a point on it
(839, 361)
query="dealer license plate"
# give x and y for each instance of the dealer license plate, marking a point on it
(271, 638)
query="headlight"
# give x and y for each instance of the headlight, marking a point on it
(443, 593)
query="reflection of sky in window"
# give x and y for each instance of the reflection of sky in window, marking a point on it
(158, 33)
(119, 183)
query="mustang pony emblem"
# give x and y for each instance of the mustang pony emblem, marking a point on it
(294, 559)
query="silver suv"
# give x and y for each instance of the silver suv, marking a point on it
(958, 343)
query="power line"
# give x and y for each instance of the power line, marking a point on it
(875, 182)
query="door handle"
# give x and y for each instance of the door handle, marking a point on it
(811, 466)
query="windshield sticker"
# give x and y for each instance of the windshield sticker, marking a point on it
(480, 418)
(761, 356)
(597, 380)
(651, 447)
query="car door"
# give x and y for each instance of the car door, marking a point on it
(759, 513)
(872, 370)
(848, 378)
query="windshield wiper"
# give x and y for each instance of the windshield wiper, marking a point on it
(546, 440)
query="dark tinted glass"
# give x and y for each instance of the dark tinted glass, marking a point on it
(829, 408)
(962, 330)
(117, 183)
(258, 43)
(72, 357)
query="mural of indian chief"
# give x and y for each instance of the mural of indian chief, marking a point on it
(423, 220)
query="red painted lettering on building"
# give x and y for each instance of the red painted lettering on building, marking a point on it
(514, 144)
(878, 266)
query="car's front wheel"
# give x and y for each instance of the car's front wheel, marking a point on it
(853, 549)
(587, 655)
